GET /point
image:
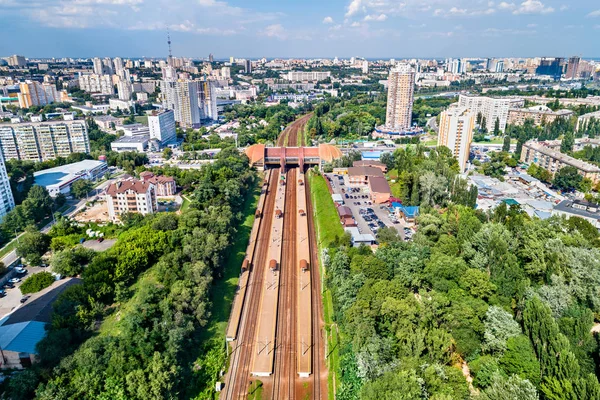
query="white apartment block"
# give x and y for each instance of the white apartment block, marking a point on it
(225, 72)
(131, 196)
(16, 61)
(182, 97)
(162, 126)
(124, 89)
(456, 133)
(307, 76)
(32, 93)
(7, 201)
(401, 87)
(41, 141)
(98, 67)
(95, 83)
(207, 100)
(489, 107)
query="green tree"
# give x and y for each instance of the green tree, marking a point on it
(506, 144)
(499, 327)
(81, 188)
(519, 359)
(32, 245)
(513, 388)
(167, 153)
(566, 145)
(567, 178)
(37, 282)
(497, 127)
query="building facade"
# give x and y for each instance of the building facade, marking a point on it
(32, 93)
(490, 108)
(552, 160)
(165, 185)
(181, 96)
(41, 141)
(16, 61)
(131, 196)
(401, 86)
(124, 89)
(96, 83)
(162, 126)
(456, 133)
(7, 201)
(539, 115)
(300, 76)
(207, 99)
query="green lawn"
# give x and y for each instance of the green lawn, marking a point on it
(142, 119)
(10, 246)
(186, 203)
(255, 390)
(328, 228)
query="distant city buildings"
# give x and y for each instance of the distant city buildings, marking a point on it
(42, 141)
(300, 76)
(401, 84)
(124, 89)
(456, 133)
(573, 68)
(95, 83)
(16, 61)
(491, 109)
(247, 66)
(98, 67)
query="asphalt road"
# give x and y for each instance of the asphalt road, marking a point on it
(12, 300)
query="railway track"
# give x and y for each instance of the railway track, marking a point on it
(319, 383)
(290, 135)
(284, 373)
(236, 384)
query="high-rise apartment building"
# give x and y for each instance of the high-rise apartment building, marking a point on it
(118, 63)
(7, 201)
(207, 100)
(573, 68)
(181, 96)
(16, 61)
(225, 72)
(108, 66)
(365, 67)
(247, 66)
(96, 84)
(401, 86)
(456, 133)
(41, 141)
(490, 108)
(98, 68)
(124, 89)
(32, 93)
(162, 126)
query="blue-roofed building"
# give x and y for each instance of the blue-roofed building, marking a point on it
(371, 155)
(59, 179)
(408, 213)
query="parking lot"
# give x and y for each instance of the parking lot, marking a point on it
(369, 217)
(13, 296)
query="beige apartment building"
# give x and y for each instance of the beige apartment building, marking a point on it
(131, 196)
(538, 114)
(41, 141)
(553, 160)
(32, 93)
(401, 86)
(456, 133)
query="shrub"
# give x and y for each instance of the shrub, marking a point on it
(37, 282)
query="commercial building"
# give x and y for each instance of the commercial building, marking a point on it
(137, 143)
(490, 108)
(358, 238)
(379, 189)
(96, 83)
(59, 179)
(370, 163)
(165, 185)
(182, 97)
(578, 208)
(7, 201)
(456, 133)
(401, 85)
(16, 61)
(361, 175)
(32, 93)
(538, 114)
(131, 196)
(300, 76)
(552, 160)
(162, 126)
(41, 141)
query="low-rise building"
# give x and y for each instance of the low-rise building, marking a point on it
(370, 163)
(358, 238)
(379, 189)
(106, 122)
(552, 160)
(131, 196)
(538, 114)
(165, 185)
(361, 175)
(582, 209)
(59, 179)
(138, 143)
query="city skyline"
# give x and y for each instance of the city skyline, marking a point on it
(343, 28)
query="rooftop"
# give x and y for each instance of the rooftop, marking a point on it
(65, 173)
(365, 171)
(557, 155)
(379, 184)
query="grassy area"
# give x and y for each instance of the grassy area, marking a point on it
(142, 119)
(10, 246)
(186, 203)
(255, 391)
(327, 220)
(328, 228)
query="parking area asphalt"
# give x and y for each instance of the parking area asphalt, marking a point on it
(99, 246)
(13, 297)
(369, 217)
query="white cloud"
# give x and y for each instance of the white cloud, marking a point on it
(274, 31)
(495, 32)
(564, 7)
(328, 20)
(594, 14)
(374, 17)
(336, 27)
(353, 8)
(506, 6)
(355, 24)
(533, 7)
(532, 25)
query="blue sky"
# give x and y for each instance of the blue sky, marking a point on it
(301, 28)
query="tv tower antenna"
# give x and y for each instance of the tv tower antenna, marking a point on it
(169, 43)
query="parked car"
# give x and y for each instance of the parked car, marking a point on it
(9, 285)
(20, 270)
(15, 280)
(2, 292)
(100, 240)
(25, 298)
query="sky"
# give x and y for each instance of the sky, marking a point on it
(300, 28)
